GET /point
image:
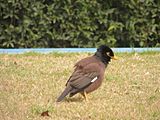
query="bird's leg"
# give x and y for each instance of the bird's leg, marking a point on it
(84, 94)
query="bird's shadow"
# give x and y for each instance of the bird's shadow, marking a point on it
(73, 99)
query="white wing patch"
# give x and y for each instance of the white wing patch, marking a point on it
(94, 79)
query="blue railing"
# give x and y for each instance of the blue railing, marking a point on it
(49, 50)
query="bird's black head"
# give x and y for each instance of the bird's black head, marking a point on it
(105, 54)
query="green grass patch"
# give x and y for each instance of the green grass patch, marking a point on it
(30, 84)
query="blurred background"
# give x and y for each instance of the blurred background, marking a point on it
(79, 23)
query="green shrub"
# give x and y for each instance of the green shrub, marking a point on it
(79, 23)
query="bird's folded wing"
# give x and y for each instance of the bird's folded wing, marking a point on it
(84, 77)
(84, 81)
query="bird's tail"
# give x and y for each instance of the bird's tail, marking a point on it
(64, 93)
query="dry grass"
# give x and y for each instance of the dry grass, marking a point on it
(30, 84)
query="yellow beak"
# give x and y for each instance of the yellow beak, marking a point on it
(114, 58)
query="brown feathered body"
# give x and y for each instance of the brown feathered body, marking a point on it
(88, 73)
(97, 66)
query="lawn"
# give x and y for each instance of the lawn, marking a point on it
(31, 82)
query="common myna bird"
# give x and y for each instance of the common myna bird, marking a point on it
(88, 73)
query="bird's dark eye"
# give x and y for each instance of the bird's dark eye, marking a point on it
(108, 54)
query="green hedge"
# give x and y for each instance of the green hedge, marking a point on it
(79, 23)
